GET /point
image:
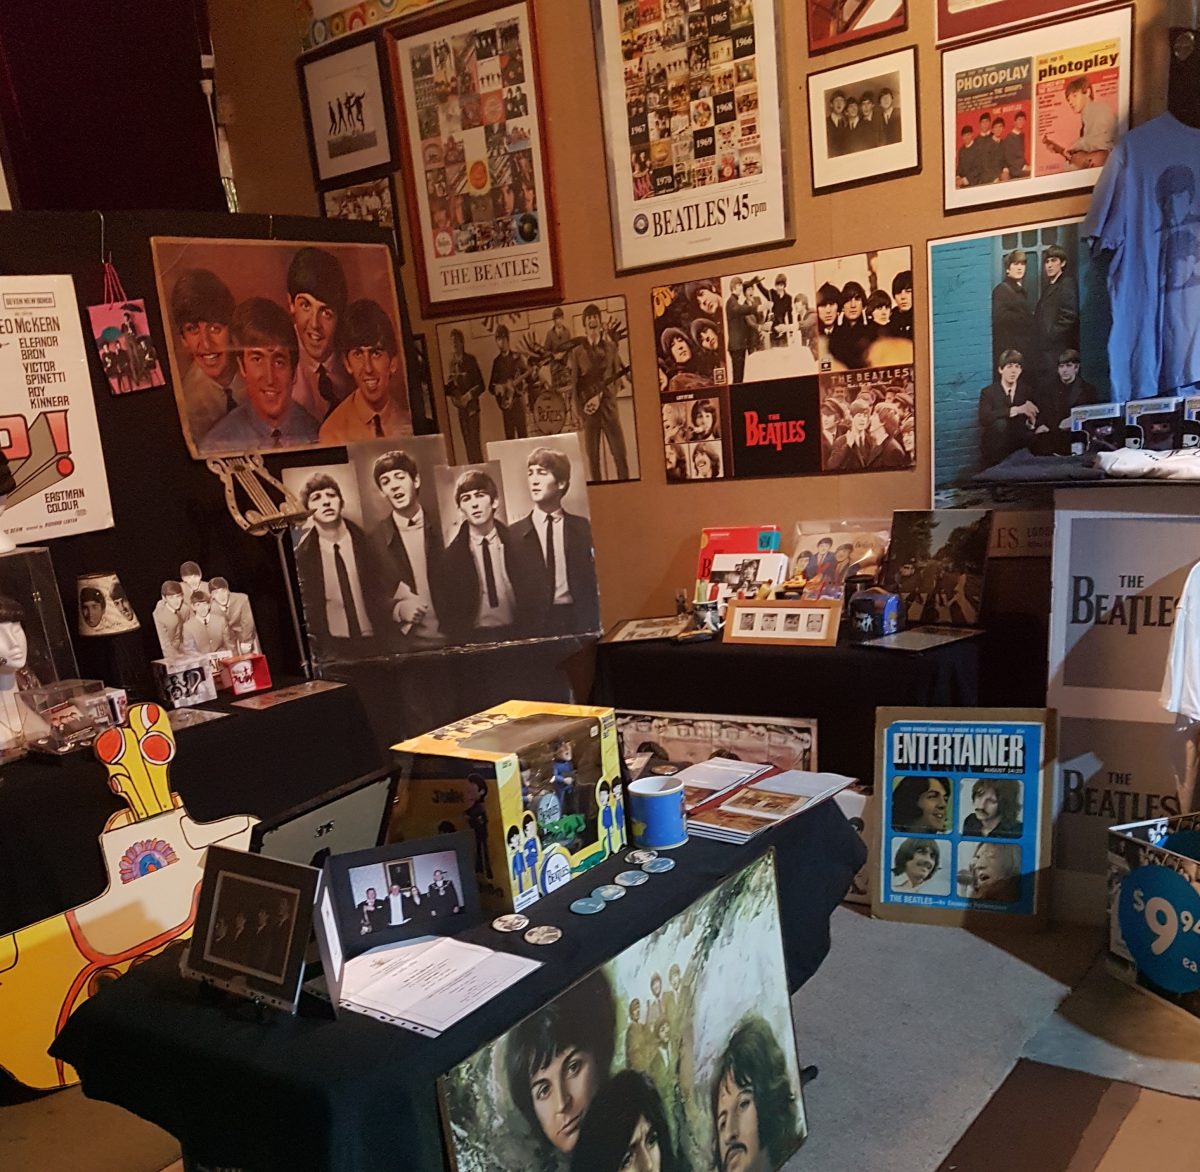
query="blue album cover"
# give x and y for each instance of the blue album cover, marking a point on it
(961, 803)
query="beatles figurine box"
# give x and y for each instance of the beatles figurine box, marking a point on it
(537, 784)
(1154, 908)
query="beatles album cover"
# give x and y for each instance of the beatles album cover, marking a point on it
(936, 564)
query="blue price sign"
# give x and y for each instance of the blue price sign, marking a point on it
(1159, 913)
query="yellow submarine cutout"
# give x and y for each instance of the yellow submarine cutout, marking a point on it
(154, 858)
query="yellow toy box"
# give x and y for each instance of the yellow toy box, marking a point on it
(538, 785)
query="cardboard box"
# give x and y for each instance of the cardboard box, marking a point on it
(185, 681)
(1155, 425)
(537, 784)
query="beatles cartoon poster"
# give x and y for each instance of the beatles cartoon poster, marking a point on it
(679, 1053)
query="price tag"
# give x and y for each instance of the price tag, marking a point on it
(1159, 912)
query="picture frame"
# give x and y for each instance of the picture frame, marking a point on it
(1060, 97)
(825, 17)
(688, 738)
(369, 198)
(846, 150)
(272, 901)
(648, 630)
(695, 129)
(468, 100)
(956, 20)
(422, 904)
(352, 132)
(978, 849)
(793, 622)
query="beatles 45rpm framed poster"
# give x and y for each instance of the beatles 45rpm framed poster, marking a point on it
(693, 128)
(478, 186)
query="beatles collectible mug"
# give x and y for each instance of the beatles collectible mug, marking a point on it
(656, 812)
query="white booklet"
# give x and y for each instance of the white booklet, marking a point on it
(784, 794)
(709, 779)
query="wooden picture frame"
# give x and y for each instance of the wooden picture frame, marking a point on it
(328, 76)
(647, 630)
(848, 156)
(479, 191)
(1021, 80)
(792, 622)
(980, 20)
(824, 14)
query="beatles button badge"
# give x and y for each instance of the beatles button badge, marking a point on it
(637, 858)
(632, 878)
(658, 866)
(543, 934)
(608, 892)
(589, 905)
(511, 923)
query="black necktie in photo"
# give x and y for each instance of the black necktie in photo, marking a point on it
(276, 437)
(551, 568)
(377, 424)
(489, 575)
(343, 576)
(230, 402)
(325, 386)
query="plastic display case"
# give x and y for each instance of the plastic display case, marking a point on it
(62, 717)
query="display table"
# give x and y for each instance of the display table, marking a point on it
(356, 1095)
(838, 686)
(250, 762)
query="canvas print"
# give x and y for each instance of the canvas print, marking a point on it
(544, 372)
(369, 201)
(279, 345)
(680, 1053)
(936, 563)
(1035, 113)
(833, 23)
(346, 113)
(122, 334)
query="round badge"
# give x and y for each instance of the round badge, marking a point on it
(589, 905)
(637, 858)
(658, 866)
(510, 923)
(1159, 913)
(543, 934)
(632, 878)
(608, 892)
(664, 770)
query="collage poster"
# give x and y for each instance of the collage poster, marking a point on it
(1035, 113)
(48, 422)
(474, 131)
(544, 372)
(691, 103)
(797, 371)
(961, 811)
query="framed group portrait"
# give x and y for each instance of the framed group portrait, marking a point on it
(834, 23)
(959, 20)
(1037, 112)
(864, 121)
(693, 128)
(480, 199)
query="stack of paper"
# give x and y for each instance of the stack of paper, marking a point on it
(758, 806)
(718, 775)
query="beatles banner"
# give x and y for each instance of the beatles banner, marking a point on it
(692, 124)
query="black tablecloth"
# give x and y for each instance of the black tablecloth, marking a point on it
(355, 1095)
(840, 686)
(251, 762)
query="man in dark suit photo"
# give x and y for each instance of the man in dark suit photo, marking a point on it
(342, 603)
(889, 117)
(1008, 415)
(561, 544)
(443, 896)
(408, 554)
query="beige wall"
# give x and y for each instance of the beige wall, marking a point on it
(646, 532)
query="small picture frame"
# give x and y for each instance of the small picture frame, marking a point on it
(788, 622)
(864, 121)
(419, 887)
(253, 925)
(646, 630)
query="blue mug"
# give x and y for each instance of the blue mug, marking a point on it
(656, 817)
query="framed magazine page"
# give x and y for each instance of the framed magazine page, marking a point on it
(347, 115)
(958, 20)
(478, 177)
(693, 129)
(1035, 113)
(833, 24)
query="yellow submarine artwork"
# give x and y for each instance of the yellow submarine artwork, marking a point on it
(154, 858)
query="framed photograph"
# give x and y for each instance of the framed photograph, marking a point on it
(792, 622)
(864, 120)
(544, 371)
(369, 201)
(959, 20)
(706, 993)
(964, 798)
(1035, 113)
(425, 887)
(277, 345)
(645, 630)
(479, 194)
(253, 924)
(693, 127)
(834, 23)
(347, 112)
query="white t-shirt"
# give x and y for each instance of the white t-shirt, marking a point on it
(1181, 681)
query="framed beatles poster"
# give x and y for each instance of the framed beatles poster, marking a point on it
(834, 23)
(959, 20)
(1036, 113)
(479, 196)
(347, 115)
(693, 128)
